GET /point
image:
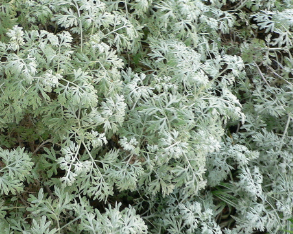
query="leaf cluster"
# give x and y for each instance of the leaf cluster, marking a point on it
(146, 116)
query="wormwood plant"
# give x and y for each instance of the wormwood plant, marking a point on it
(145, 116)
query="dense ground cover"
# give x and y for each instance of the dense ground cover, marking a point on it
(163, 116)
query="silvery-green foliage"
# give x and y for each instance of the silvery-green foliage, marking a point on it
(112, 221)
(277, 22)
(260, 193)
(145, 116)
(41, 227)
(178, 119)
(180, 216)
(15, 169)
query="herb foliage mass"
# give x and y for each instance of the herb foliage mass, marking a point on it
(146, 116)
